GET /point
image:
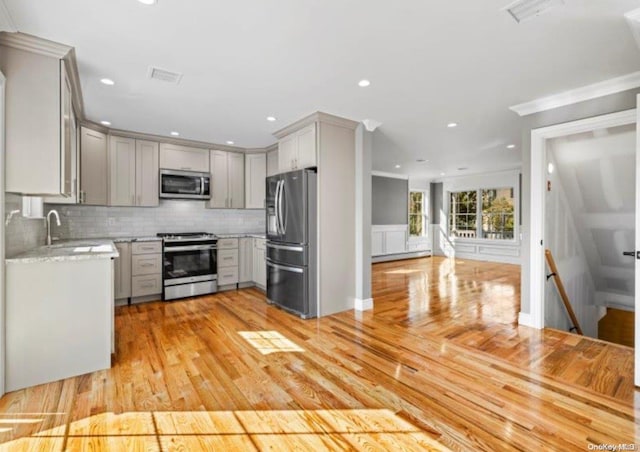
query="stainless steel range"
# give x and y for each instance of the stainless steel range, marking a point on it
(189, 264)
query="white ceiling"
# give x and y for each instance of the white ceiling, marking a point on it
(430, 63)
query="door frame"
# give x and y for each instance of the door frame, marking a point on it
(2, 227)
(538, 173)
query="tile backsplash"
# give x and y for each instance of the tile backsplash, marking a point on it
(21, 234)
(171, 216)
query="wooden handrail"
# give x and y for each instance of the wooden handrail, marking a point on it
(562, 291)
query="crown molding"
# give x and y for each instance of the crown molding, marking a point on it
(390, 175)
(584, 93)
(6, 21)
(273, 147)
(34, 44)
(316, 117)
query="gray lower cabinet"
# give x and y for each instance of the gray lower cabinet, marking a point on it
(228, 262)
(245, 260)
(259, 263)
(122, 271)
(146, 269)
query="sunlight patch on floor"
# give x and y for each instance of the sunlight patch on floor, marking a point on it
(267, 342)
(233, 430)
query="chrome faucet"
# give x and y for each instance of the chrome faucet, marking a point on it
(49, 224)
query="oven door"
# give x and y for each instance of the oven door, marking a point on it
(189, 264)
(184, 185)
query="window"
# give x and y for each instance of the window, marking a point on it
(463, 214)
(498, 214)
(418, 218)
(486, 213)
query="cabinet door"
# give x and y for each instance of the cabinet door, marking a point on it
(93, 167)
(306, 147)
(147, 169)
(122, 171)
(254, 177)
(287, 153)
(183, 158)
(122, 268)
(219, 180)
(245, 273)
(272, 163)
(259, 263)
(236, 180)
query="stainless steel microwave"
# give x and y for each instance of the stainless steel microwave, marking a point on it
(184, 184)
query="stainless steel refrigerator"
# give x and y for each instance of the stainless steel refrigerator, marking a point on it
(292, 242)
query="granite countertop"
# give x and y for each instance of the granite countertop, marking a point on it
(124, 239)
(71, 250)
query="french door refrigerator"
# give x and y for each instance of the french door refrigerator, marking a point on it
(291, 257)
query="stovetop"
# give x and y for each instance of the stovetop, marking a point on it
(178, 236)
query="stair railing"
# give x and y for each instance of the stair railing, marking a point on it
(563, 293)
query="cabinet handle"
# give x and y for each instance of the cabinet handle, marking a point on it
(185, 168)
(147, 265)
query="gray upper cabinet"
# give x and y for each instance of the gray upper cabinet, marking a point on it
(133, 172)
(298, 150)
(227, 180)
(93, 167)
(272, 163)
(122, 171)
(147, 169)
(183, 158)
(255, 174)
(38, 120)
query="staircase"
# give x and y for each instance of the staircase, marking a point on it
(617, 326)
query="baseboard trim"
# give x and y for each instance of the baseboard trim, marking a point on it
(363, 305)
(399, 257)
(526, 319)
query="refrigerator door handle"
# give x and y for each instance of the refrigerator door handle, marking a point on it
(284, 267)
(277, 207)
(285, 248)
(280, 213)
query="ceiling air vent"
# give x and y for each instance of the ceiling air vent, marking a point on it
(164, 76)
(522, 10)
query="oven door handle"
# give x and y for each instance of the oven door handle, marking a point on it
(171, 249)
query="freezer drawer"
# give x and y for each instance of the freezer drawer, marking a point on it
(288, 288)
(285, 253)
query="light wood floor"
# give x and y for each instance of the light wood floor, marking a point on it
(438, 364)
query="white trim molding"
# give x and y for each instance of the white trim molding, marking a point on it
(539, 139)
(392, 175)
(584, 93)
(525, 319)
(363, 305)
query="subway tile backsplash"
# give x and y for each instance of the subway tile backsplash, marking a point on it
(21, 234)
(80, 222)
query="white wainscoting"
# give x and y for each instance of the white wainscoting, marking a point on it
(508, 253)
(393, 239)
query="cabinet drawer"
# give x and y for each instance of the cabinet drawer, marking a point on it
(146, 264)
(227, 276)
(260, 244)
(224, 244)
(146, 285)
(227, 258)
(146, 247)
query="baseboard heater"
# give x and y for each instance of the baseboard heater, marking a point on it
(401, 256)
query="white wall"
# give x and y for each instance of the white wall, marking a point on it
(507, 251)
(562, 238)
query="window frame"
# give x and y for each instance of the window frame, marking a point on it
(425, 214)
(478, 230)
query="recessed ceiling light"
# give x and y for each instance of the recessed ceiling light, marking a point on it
(231, 142)
(397, 166)
(175, 134)
(422, 160)
(364, 83)
(451, 125)
(271, 118)
(107, 81)
(511, 146)
(442, 174)
(105, 123)
(148, 2)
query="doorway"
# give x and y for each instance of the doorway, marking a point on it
(590, 208)
(2, 248)
(540, 139)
